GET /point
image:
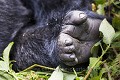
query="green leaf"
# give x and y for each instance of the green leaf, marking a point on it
(102, 71)
(107, 31)
(100, 1)
(57, 75)
(101, 9)
(4, 65)
(92, 62)
(6, 52)
(81, 78)
(6, 76)
(116, 23)
(68, 76)
(95, 78)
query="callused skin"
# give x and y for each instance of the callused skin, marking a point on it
(79, 33)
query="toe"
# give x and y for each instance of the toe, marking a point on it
(69, 49)
(67, 57)
(75, 17)
(68, 42)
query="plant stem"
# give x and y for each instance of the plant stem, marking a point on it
(109, 76)
(36, 65)
(75, 72)
(103, 52)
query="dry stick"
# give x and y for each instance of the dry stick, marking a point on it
(115, 51)
(109, 10)
(103, 52)
(109, 76)
(36, 65)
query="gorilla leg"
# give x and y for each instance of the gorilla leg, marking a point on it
(13, 16)
(36, 36)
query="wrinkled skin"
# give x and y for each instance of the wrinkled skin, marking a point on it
(79, 33)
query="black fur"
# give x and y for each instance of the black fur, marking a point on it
(34, 26)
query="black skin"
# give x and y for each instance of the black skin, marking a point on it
(78, 35)
(48, 32)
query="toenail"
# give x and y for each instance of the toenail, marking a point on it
(68, 42)
(76, 60)
(72, 56)
(82, 15)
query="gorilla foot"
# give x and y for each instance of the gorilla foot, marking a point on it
(79, 33)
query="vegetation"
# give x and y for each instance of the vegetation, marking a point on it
(103, 67)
